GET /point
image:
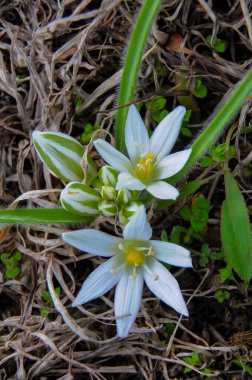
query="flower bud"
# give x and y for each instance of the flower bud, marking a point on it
(108, 193)
(108, 175)
(124, 196)
(128, 211)
(80, 199)
(107, 208)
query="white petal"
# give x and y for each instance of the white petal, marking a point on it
(162, 190)
(166, 287)
(171, 164)
(171, 253)
(128, 296)
(166, 133)
(128, 181)
(99, 282)
(136, 135)
(138, 227)
(112, 156)
(92, 241)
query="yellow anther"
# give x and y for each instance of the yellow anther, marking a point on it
(134, 257)
(145, 167)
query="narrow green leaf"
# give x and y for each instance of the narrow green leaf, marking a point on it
(41, 215)
(215, 128)
(132, 64)
(235, 230)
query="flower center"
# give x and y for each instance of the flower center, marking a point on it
(134, 256)
(145, 167)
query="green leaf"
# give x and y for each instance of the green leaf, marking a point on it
(45, 311)
(226, 273)
(185, 213)
(220, 45)
(206, 161)
(235, 230)
(12, 272)
(5, 258)
(186, 132)
(132, 64)
(200, 92)
(175, 235)
(164, 236)
(41, 215)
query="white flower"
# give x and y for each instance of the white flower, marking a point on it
(149, 160)
(133, 259)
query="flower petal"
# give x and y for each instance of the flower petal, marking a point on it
(166, 287)
(92, 241)
(171, 164)
(128, 181)
(166, 133)
(136, 135)
(112, 156)
(99, 282)
(171, 253)
(162, 190)
(138, 227)
(128, 296)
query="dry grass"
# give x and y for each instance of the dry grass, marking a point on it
(47, 49)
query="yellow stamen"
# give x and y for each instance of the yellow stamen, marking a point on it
(145, 167)
(134, 257)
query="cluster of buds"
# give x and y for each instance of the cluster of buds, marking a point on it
(91, 194)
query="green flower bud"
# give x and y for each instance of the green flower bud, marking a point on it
(61, 153)
(80, 199)
(108, 193)
(128, 211)
(107, 208)
(108, 175)
(124, 196)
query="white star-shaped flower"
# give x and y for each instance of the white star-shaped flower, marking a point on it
(133, 259)
(149, 161)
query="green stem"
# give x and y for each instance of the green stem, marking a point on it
(132, 64)
(41, 215)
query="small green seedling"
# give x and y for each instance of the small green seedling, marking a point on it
(200, 90)
(185, 131)
(221, 295)
(89, 129)
(226, 273)
(46, 297)
(194, 360)
(218, 153)
(157, 106)
(219, 45)
(12, 264)
(207, 255)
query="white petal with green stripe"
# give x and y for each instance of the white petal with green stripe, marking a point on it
(61, 153)
(80, 199)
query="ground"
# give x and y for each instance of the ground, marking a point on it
(59, 70)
